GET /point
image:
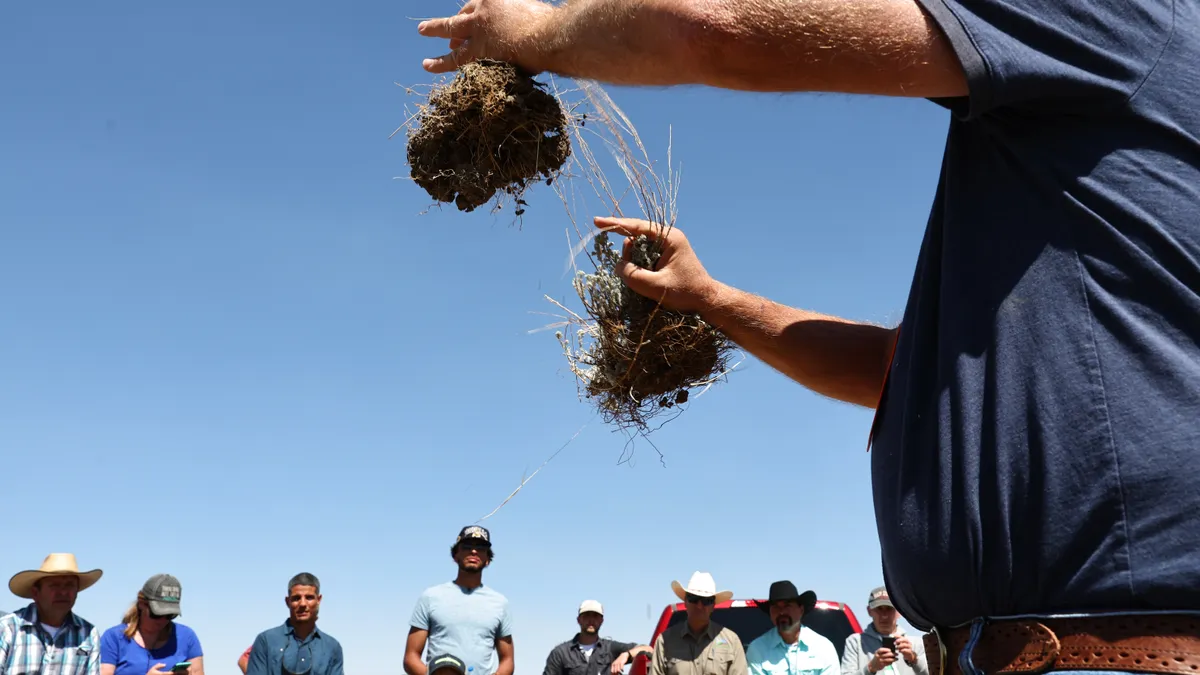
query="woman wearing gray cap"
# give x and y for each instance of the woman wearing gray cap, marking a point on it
(149, 641)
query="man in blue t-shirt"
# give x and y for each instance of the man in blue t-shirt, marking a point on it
(463, 617)
(1037, 407)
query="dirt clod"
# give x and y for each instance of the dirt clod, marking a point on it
(492, 129)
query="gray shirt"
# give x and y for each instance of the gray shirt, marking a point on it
(860, 647)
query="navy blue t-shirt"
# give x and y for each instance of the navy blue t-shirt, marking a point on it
(1037, 442)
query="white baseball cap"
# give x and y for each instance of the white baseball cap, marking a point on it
(591, 606)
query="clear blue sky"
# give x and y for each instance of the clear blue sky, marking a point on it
(233, 350)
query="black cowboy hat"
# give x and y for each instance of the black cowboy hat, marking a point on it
(786, 590)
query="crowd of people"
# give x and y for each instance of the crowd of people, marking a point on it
(461, 627)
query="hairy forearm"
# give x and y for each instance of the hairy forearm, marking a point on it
(624, 42)
(867, 46)
(833, 357)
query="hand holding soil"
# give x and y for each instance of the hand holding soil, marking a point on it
(679, 281)
(501, 30)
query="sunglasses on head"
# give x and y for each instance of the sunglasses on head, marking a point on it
(698, 599)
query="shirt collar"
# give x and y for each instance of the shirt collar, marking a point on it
(30, 616)
(799, 640)
(288, 630)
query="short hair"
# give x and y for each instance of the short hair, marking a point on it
(304, 579)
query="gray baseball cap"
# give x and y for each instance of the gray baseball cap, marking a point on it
(162, 592)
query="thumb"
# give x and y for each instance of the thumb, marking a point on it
(642, 281)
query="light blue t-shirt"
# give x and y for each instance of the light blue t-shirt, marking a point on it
(130, 658)
(463, 622)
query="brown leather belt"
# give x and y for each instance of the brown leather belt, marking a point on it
(1142, 643)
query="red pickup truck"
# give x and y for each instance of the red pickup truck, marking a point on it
(834, 620)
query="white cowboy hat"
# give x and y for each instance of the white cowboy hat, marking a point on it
(55, 564)
(701, 584)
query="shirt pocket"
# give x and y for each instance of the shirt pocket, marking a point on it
(721, 658)
(78, 656)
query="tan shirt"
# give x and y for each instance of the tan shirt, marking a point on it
(716, 651)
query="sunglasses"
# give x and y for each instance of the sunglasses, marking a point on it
(699, 600)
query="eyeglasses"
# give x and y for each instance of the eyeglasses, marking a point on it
(297, 661)
(699, 599)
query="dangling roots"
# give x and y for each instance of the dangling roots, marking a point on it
(633, 357)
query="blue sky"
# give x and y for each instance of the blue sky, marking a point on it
(234, 350)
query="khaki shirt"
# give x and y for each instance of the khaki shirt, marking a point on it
(716, 651)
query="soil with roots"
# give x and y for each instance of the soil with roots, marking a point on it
(492, 129)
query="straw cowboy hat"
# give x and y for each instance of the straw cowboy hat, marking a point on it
(55, 564)
(701, 584)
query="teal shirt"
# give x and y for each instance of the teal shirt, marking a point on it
(813, 654)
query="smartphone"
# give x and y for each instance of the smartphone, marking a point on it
(181, 667)
(889, 642)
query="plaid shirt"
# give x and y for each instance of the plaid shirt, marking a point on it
(27, 649)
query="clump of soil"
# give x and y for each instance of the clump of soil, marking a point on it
(492, 129)
(636, 358)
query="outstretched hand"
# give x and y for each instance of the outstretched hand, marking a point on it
(503, 30)
(678, 281)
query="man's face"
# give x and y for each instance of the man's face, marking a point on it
(590, 622)
(786, 615)
(883, 616)
(699, 609)
(56, 594)
(472, 555)
(303, 603)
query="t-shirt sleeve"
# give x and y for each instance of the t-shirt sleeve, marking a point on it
(193, 649)
(505, 628)
(1059, 56)
(420, 615)
(110, 646)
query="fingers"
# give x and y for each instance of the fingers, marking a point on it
(452, 61)
(459, 26)
(630, 227)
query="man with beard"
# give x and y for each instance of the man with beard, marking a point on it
(699, 646)
(297, 646)
(587, 653)
(866, 653)
(463, 617)
(791, 647)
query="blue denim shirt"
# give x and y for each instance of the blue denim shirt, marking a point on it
(272, 645)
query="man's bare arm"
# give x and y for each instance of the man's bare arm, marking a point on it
(833, 357)
(881, 47)
(413, 665)
(504, 650)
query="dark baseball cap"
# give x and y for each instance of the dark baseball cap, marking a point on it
(447, 661)
(474, 533)
(162, 592)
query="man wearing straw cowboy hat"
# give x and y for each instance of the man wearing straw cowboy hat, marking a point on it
(699, 646)
(791, 647)
(47, 637)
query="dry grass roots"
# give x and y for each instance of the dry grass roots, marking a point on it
(492, 129)
(636, 358)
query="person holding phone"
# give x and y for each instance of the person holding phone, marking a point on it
(149, 640)
(883, 646)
